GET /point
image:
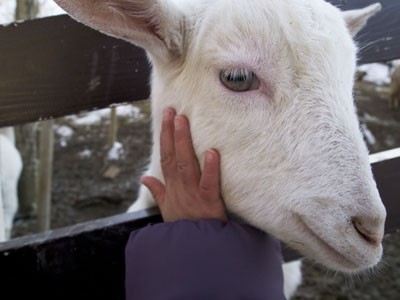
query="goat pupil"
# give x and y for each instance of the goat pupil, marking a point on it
(237, 80)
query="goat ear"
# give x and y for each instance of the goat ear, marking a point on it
(356, 19)
(151, 24)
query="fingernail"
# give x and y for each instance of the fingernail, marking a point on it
(167, 113)
(178, 122)
(210, 156)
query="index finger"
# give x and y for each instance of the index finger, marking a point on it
(186, 160)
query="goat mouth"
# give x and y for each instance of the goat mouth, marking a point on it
(339, 258)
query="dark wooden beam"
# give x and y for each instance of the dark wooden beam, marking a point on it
(56, 66)
(84, 261)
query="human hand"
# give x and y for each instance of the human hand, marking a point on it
(187, 193)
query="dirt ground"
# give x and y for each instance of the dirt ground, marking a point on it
(82, 193)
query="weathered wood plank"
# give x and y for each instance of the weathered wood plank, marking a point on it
(87, 260)
(56, 66)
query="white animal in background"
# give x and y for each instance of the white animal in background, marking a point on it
(270, 85)
(10, 171)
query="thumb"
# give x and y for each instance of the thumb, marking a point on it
(156, 188)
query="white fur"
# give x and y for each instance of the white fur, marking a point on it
(294, 162)
(10, 170)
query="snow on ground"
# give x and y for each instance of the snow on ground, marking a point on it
(85, 153)
(65, 133)
(368, 134)
(376, 73)
(129, 111)
(96, 116)
(367, 118)
(90, 118)
(116, 151)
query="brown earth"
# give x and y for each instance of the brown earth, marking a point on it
(82, 193)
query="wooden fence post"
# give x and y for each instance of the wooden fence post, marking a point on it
(46, 147)
(113, 129)
(26, 9)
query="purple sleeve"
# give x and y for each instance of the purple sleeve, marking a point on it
(202, 260)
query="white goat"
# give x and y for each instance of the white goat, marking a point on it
(269, 84)
(10, 170)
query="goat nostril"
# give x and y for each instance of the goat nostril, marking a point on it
(366, 234)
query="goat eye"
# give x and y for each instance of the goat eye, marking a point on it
(239, 80)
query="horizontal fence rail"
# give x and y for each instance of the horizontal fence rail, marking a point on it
(87, 260)
(56, 66)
